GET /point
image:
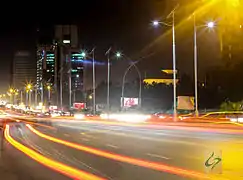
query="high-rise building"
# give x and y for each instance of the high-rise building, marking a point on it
(46, 65)
(70, 58)
(77, 70)
(23, 69)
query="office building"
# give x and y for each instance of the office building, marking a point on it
(66, 37)
(24, 69)
(46, 65)
(77, 71)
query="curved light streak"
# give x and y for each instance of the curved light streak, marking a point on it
(54, 165)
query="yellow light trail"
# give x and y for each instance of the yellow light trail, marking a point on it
(57, 166)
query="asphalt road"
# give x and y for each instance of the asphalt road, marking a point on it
(172, 148)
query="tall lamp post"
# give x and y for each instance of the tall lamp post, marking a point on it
(108, 81)
(209, 25)
(84, 54)
(28, 92)
(156, 23)
(94, 81)
(11, 91)
(133, 64)
(49, 94)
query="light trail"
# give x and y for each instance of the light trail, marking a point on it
(54, 165)
(117, 157)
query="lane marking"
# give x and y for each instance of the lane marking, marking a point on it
(112, 146)
(147, 138)
(158, 156)
(125, 159)
(52, 164)
(67, 135)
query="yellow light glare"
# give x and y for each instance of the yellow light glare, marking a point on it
(28, 86)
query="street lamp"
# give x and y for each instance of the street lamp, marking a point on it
(118, 54)
(133, 64)
(84, 54)
(108, 81)
(156, 23)
(28, 91)
(49, 94)
(210, 25)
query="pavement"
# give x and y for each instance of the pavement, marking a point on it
(121, 152)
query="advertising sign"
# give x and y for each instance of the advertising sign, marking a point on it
(79, 105)
(129, 102)
(185, 103)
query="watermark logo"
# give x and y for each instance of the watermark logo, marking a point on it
(213, 162)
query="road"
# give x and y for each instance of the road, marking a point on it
(121, 152)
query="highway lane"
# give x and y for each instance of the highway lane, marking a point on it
(181, 148)
(100, 166)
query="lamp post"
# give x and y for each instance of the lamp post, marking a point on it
(156, 23)
(49, 94)
(133, 64)
(108, 81)
(28, 92)
(209, 25)
(94, 82)
(11, 91)
(84, 54)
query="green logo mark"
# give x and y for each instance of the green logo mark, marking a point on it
(212, 161)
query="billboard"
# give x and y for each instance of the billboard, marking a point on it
(129, 102)
(185, 103)
(79, 105)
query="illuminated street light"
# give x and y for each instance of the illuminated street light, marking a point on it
(155, 23)
(118, 54)
(49, 94)
(83, 54)
(172, 25)
(28, 87)
(210, 24)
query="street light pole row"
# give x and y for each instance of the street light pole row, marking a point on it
(209, 25)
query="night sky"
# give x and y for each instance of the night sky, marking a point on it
(122, 24)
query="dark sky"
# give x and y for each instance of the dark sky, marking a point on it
(122, 24)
